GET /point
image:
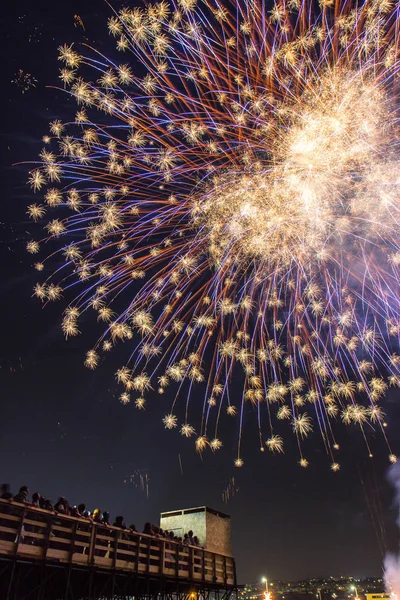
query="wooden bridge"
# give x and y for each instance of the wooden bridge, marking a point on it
(49, 556)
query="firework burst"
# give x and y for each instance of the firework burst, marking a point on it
(227, 202)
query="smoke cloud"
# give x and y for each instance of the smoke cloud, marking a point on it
(392, 562)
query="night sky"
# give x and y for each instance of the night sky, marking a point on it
(62, 428)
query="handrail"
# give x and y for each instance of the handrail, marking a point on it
(27, 531)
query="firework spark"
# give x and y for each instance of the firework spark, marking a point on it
(234, 210)
(230, 489)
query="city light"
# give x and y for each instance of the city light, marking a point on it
(267, 594)
(354, 588)
(335, 588)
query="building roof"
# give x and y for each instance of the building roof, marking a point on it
(188, 511)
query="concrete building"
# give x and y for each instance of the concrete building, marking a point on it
(212, 527)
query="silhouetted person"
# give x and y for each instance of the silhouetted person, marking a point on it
(147, 529)
(132, 527)
(106, 518)
(186, 539)
(75, 512)
(22, 494)
(119, 522)
(61, 506)
(190, 536)
(47, 504)
(97, 516)
(36, 499)
(5, 492)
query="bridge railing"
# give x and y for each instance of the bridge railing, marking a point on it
(27, 532)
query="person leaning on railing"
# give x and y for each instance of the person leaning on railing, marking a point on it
(22, 495)
(36, 499)
(119, 522)
(62, 506)
(5, 492)
(78, 511)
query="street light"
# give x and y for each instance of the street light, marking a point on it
(267, 595)
(354, 588)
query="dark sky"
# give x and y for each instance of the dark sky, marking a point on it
(62, 429)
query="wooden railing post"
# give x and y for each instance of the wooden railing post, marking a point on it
(49, 530)
(176, 560)
(162, 558)
(73, 538)
(191, 563)
(138, 543)
(117, 537)
(148, 553)
(92, 544)
(20, 530)
(214, 566)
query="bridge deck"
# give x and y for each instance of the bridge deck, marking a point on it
(36, 535)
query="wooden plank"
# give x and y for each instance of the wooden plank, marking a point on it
(58, 554)
(154, 570)
(86, 537)
(60, 540)
(103, 561)
(127, 546)
(13, 530)
(183, 574)
(35, 523)
(79, 559)
(107, 538)
(81, 544)
(4, 545)
(61, 529)
(8, 517)
(123, 565)
(34, 535)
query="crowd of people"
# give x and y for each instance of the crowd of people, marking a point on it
(63, 507)
(188, 538)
